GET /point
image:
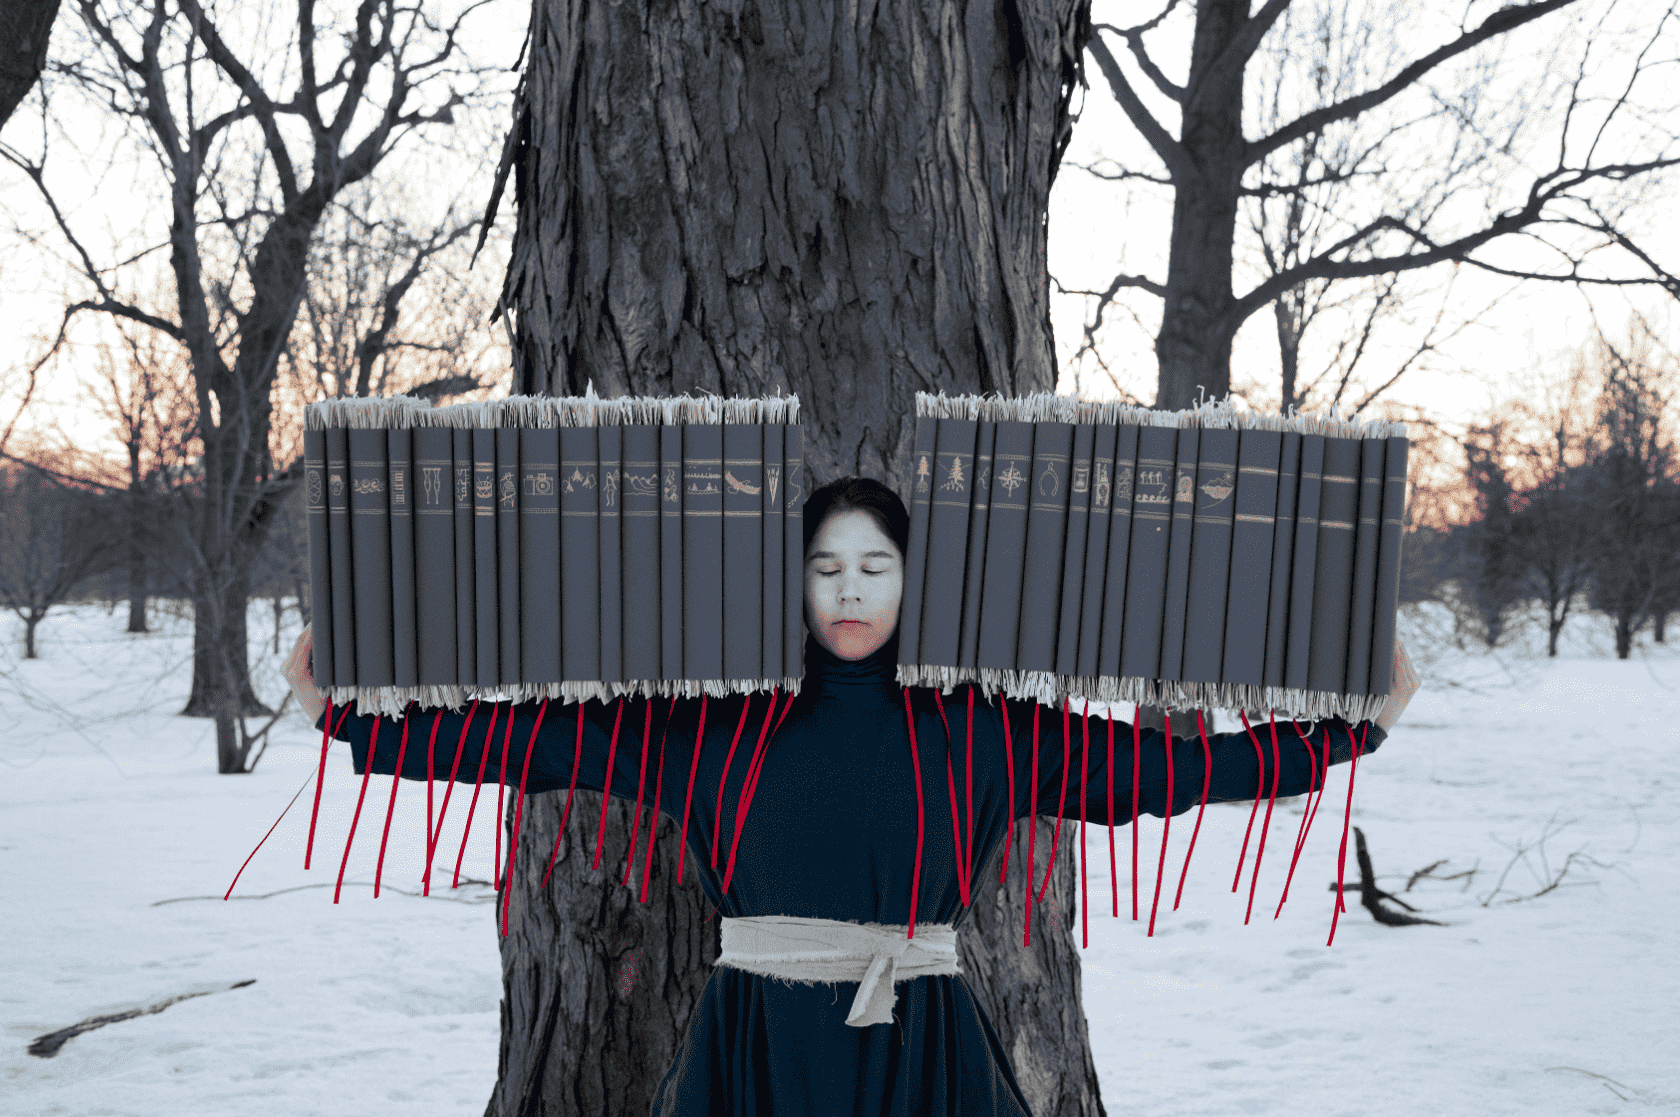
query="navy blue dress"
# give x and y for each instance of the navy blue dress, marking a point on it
(831, 833)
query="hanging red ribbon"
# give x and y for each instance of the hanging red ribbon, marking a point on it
(1166, 823)
(653, 814)
(916, 767)
(1009, 766)
(390, 807)
(367, 770)
(478, 784)
(606, 792)
(729, 759)
(688, 800)
(1347, 818)
(448, 790)
(641, 782)
(519, 810)
(1207, 775)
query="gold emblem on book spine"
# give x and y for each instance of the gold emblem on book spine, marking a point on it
(1186, 487)
(1011, 479)
(509, 488)
(737, 485)
(1081, 478)
(317, 487)
(399, 491)
(954, 480)
(463, 484)
(539, 483)
(1102, 489)
(1218, 489)
(924, 470)
(673, 486)
(431, 482)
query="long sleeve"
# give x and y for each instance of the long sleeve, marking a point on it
(469, 745)
(1238, 771)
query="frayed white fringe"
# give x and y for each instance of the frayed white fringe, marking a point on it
(393, 701)
(1051, 688)
(1223, 413)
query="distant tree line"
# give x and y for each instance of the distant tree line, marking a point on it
(1573, 496)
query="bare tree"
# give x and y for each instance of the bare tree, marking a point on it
(1551, 157)
(252, 140)
(1494, 566)
(1632, 482)
(54, 538)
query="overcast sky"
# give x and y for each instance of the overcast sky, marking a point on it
(1096, 228)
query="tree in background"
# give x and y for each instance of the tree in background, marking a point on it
(253, 139)
(1494, 567)
(55, 538)
(1382, 210)
(782, 197)
(1632, 487)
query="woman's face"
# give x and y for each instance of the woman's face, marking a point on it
(854, 578)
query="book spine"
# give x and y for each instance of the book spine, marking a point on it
(642, 554)
(1073, 562)
(1096, 544)
(1367, 537)
(1145, 578)
(1303, 570)
(320, 555)
(370, 544)
(793, 552)
(609, 442)
(770, 559)
(703, 551)
(1047, 517)
(466, 580)
(1283, 552)
(915, 563)
(507, 556)
(743, 551)
(1338, 509)
(539, 555)
(947, 541)
(486, 560)
(670, 553)
(1210, 556)
(580, 555)
(1255, 513)
(399, 454)
(979, 513)
(343, 564)
(1388, 565)
(1178, 554)
(1006, 537)
(434, 555)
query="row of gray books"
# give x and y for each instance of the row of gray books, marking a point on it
(554, 547)
(1207, 558)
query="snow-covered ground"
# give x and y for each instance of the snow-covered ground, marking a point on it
(115, 832)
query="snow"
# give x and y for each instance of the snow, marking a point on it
(1560, 1004)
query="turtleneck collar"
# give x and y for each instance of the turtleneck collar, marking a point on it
(826, 672)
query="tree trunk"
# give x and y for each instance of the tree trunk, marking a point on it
(1193, 347)
(137, 590)
(1659, 622)
(597, 987)
(751, 198)
(1033, 994)
(1624, 635)
(30, 620)
(220, 661)
(25, 27)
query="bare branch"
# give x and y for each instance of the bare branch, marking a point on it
(1179, 167)
(1501, 21)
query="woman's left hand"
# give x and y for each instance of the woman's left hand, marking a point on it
(1406, 683)
(296, 672)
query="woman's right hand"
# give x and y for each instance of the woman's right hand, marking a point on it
(296, 672)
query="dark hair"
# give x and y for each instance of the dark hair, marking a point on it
(859, 494)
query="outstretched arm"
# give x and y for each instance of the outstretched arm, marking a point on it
(490, 741)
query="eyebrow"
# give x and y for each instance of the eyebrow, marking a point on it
(866, 554)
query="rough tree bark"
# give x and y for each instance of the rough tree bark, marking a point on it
(745, 198)
(25, 27)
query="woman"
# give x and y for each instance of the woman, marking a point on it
(833, 884)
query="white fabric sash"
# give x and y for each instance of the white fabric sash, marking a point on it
(875, 955)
